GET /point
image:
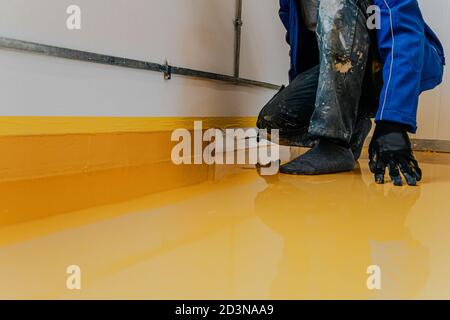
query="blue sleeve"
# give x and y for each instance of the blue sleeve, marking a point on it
(401, 42)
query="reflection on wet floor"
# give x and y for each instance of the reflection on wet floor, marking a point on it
(225, 232)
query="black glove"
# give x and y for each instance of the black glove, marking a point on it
(391, 148)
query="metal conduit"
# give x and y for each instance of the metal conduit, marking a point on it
(237, 45)
(167, 70)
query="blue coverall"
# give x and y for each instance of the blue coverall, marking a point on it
(412, 56)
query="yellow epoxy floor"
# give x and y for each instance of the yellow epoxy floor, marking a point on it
(229, 235)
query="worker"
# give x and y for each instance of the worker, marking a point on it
(343, 73)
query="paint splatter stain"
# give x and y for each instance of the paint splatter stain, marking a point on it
(343, 67)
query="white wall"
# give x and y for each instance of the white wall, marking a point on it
(265, 53)
(192, 33)
(434, 113)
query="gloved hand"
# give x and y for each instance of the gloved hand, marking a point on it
(391, 148)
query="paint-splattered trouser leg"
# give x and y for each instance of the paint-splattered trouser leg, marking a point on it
(344, 45)
(290, 110)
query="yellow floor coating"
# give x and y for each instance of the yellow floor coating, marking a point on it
(233, 235)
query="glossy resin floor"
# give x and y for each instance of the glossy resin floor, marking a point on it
(229, 235)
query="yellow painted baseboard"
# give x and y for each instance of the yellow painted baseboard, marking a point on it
(40, 147)
(26, 126)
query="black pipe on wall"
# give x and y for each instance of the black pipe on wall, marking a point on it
(238, 33)
(168, 70)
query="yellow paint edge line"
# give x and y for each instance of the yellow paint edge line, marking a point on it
(31, 126)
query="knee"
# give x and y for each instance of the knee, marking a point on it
(268, 116)
(331, 24)
(341, 29)
(330, 13)
(264, 118)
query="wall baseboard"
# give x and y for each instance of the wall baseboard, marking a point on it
(39, 147)
(48, 125)
(431, 145)
(427, 145)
